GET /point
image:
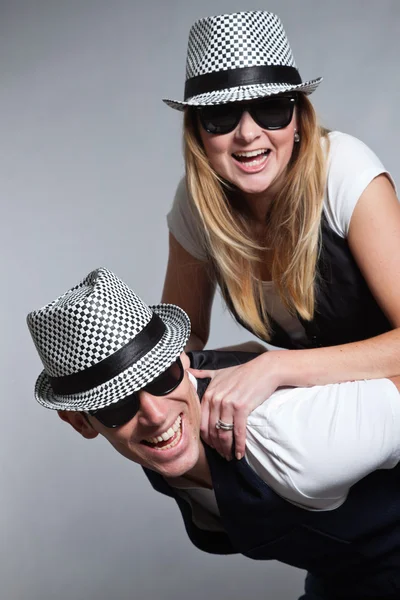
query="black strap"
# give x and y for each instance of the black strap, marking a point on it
(112, 365)
(219, 80)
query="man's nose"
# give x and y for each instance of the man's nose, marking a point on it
(247, 130)
(153, 409)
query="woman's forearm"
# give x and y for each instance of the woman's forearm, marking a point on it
(250, 346)
(396, 381)
(368, 359)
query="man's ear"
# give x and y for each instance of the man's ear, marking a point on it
(78, 421)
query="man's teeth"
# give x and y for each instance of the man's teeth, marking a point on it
(174, 441)
(167, 434)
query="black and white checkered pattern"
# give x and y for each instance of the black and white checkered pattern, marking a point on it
(233, 41)
(89, 323)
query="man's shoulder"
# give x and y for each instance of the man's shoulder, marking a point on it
(219, 359)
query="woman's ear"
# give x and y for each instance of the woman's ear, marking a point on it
(79, 422)
(296, 118)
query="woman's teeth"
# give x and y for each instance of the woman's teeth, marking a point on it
(253, 157)
(173, 433)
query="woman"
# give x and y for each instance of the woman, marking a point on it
(300, 227)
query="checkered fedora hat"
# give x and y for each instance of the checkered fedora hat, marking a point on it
(239, 56)
(99, 342)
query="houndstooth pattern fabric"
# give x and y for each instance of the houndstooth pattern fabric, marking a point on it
(92, 321)
(232, 41)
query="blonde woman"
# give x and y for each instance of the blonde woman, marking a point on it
(299, 227)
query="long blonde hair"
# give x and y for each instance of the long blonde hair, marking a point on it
(292, 230)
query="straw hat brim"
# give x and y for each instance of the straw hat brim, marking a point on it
(135, 377)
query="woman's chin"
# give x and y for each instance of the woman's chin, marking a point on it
(255, 190)
(252, 185)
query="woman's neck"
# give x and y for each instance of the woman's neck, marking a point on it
(259, 206)
(260, 203)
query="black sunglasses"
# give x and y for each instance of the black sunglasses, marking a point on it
(124, 410)
(269, 113)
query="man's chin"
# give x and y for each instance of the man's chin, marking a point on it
(176, 468)
(174, 471)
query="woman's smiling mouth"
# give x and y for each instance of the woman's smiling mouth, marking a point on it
(252, 161)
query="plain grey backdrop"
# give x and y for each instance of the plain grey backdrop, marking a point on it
(90, 158)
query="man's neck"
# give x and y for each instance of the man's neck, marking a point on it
(201, 471)
(198, 476)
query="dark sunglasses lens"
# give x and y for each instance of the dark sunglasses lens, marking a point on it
(220, 119)
(273, 113)
(167, 381)
(119, 413)
(123, 411)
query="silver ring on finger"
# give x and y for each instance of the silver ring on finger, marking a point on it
(224, 426)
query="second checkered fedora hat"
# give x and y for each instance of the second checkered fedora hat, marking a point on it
(99, 342)
(239, 56)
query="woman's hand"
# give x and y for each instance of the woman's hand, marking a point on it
(231, 396)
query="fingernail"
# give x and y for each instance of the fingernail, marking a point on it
(238, 456)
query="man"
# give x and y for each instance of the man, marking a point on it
(116, 367)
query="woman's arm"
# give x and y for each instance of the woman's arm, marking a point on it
(374, 239)
(190, 285)
(250, 346)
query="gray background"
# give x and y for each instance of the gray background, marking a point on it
(90, 158)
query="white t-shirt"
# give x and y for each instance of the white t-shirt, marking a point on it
(310, 445)
(351, 167)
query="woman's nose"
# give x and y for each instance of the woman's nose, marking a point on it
(247, 130)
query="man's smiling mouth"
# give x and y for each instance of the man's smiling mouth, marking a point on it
(168, 439)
